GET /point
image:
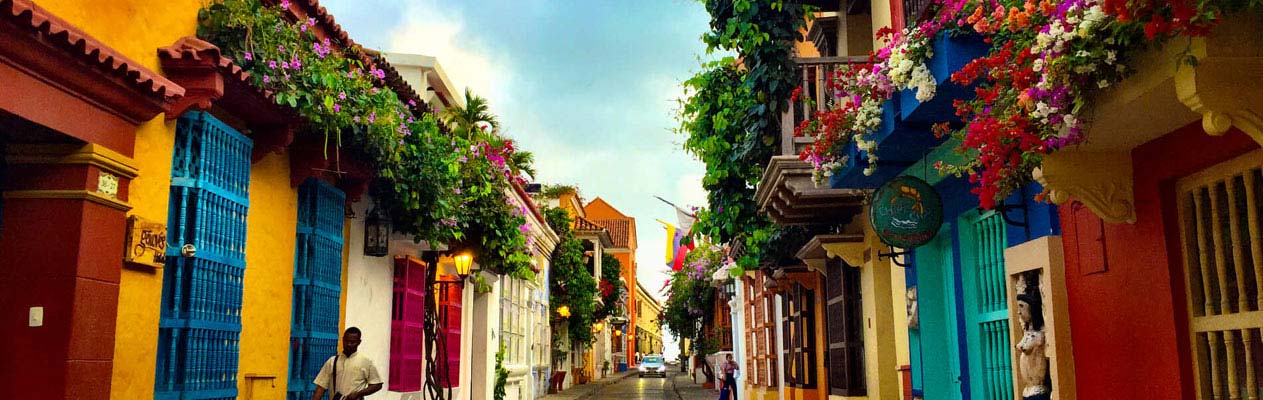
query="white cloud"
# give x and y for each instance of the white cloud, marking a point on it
(432, 30)
(689, 188)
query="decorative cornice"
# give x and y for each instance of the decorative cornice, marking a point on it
(70, 195)
(1100, 180)
(91, 154)
(1223, 87)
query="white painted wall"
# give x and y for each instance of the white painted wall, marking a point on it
(484, 331)
(369, 287)
(368, 298)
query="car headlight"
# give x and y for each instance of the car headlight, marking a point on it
(642, 367)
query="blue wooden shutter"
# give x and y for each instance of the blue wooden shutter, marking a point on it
(317, 284)
(199, 331)
(986, 307)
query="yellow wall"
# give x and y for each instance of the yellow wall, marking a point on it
(115, 24)
(269, 282)
(880, 330)
(272, 218)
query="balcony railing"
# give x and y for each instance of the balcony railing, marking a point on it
(813, 74)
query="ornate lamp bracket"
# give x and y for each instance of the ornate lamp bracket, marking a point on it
(1100, 180)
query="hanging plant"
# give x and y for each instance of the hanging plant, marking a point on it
(1032, 91)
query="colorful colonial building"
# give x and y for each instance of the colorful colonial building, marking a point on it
(622, 229)
(170, 231)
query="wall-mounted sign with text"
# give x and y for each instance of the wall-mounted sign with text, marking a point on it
(146, 242)
(906, 212)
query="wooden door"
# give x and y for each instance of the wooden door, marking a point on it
(982, 243)
(937, 341)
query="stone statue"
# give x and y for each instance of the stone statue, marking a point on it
(1032, 362)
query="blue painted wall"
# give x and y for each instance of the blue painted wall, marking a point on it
(1041, 219)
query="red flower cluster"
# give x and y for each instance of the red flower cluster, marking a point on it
(1167, 17)
(606, 288)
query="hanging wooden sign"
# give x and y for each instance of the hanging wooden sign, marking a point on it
(146, 242)
(906, 212)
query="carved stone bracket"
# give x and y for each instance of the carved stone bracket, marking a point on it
(1100, 180)
(850, 252)
(1224, 88)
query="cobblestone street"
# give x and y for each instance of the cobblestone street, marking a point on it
(675, 386)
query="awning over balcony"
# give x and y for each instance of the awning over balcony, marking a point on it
(788, 195)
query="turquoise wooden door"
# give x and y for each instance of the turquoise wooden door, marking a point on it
(936, 342)
(982, 243)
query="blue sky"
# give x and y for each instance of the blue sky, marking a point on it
(590, 86)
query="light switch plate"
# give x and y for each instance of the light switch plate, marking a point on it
(37, 317)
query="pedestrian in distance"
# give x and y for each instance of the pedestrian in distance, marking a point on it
(730, 377)
(350, 375)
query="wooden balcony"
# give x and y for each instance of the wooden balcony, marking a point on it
(813, 74)
(786, 192)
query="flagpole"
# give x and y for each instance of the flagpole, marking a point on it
(676, 207)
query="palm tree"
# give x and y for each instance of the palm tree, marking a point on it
(465, 118)
(479, 124)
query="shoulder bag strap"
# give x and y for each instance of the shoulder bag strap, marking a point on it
(334, 390)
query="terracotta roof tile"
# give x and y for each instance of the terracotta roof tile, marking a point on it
(194, 49)
(313, 9)
(620, 230)
(27, 15)
(584, 224)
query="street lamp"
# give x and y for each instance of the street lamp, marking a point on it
(376, 235)
(599, 326)
(464, 262)
(563, 311)
(730, 289)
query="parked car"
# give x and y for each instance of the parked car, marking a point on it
(673, 362)
(653, 365)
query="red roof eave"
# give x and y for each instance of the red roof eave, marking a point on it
(49, 46)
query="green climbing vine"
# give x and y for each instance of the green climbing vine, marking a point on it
(732, 116)
(571, 285)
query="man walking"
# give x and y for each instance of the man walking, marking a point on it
(350, 375)
(730, 376)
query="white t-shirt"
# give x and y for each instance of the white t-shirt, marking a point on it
(355, 372)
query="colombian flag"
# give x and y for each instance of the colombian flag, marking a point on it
(679, 243)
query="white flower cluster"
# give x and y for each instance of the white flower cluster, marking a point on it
(821, 173)
(1093, 18)
(869, 147)
(908, 73)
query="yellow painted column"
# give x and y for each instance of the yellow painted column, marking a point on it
(879, 328)
(269, 280)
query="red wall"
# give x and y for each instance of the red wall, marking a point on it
(1128, 323)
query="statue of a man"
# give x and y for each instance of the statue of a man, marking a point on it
(1032, 362)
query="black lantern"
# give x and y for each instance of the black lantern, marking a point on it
(376, 235)
(730, 288)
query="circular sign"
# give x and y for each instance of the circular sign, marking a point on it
(906, 212)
